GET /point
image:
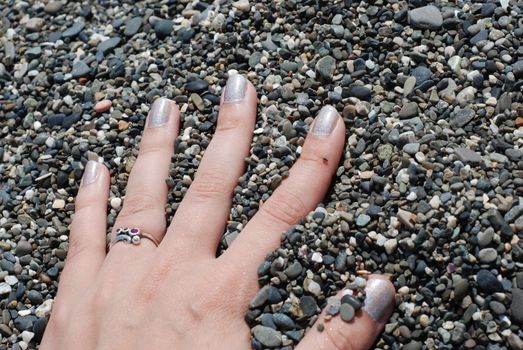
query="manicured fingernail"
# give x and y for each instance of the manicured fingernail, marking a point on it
(91, 172)
(160, 112)
(379, 299)
(325, 121)
(235, 88)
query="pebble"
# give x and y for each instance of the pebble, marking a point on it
(488, 282)
(409, 110)
(487, 255)
(267, 336)
(516, 306)
(132, 26)
(103, 106)
(73, 30)
(467, 156)
(80, 69)
(427, 17)
(347, 312)
(325, 67)
(53, 7)
(163, 28)
(23, 248)
(116, 203)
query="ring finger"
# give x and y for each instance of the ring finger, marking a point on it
(146, 192)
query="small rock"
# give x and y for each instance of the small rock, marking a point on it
(103, 106)
(347, 312)
(163, 28)
(132, 25)
(267, 336)
(488, 282)
(53, 7)
(325, 67)
(80, 69)
(408, 110)
(23, 248)
(427, 17)
(467, 156)
(242, 5)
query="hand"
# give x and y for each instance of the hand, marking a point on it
(178, 295)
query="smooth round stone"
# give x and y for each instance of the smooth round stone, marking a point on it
(308, 305)
(362, 220)
(103, 106)
(53, 7)
(132, 25)
(360, 92)
(352, 301)
(347, 312)
(23, 248)
(487, 282)
(487, 255)
(267, 336)
(325, 67)
(198, 85)
(163, 28)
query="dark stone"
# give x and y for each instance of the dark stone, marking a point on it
(199, 85)
(39, 328)
(482, 35)
(487, 282)
(35, 297)
(360, 92)
(132, 25)
(516, 307)
(488, 9)
(462, 117)
(163, 28)
(107, 46)
(422, 74)
(308, 305)
(25, 323)
(73, 30)
(55, 120)
(80, 69)
(517, 69)
(23, 248)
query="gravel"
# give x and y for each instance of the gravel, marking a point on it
(429, 189)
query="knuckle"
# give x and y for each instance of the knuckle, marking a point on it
(138, 203)
(285, 207)
(210, 184)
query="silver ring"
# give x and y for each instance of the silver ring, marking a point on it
(132, 236)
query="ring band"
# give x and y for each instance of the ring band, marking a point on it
(132, 235)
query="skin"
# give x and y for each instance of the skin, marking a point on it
(179, 295)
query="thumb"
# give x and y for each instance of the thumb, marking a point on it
(360, 332)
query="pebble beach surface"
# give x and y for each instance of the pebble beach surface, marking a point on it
(429, 190)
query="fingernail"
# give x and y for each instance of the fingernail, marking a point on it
(159, 113)
(91, 172)
(325, 121)
(235, 88)
(379, 299)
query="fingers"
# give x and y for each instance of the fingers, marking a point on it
(146, 193)
(305, 187)
(200, 219)
(361, 332)
(87, 235)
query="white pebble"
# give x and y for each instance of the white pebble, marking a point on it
(27, 336)
(44, 310)
(58, 204)
(435, 202)
(116, 202)
(11, 280)
(317, 257)
(4, 288)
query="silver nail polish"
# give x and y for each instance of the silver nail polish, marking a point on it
(91, 172)
(325, 121)
(159, 113)
(235, 88)
(379, 299)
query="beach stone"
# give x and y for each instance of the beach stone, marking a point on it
(517, 69)
(80, 69)
(421, 74)
(408, 110)
(487, 282)
(409, 85)
(308, 305)
(360, 92)
(461, 287)
(351, 300)
(103, 106)
(487, 255)
(199, 85)
(427, 17)
(23, 248)
(363, 220)
(35, 24)
(480, 36)
(163, 28)
(325, 67)
(466, 96)
(516, 306)
(73, 30)
(267, 336)
(347, 312)
(411, 148)
(53, 7)
(108, 45)
(467, 156)
(132, 26)
(462, 117)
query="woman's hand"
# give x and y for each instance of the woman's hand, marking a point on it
(179, 295)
